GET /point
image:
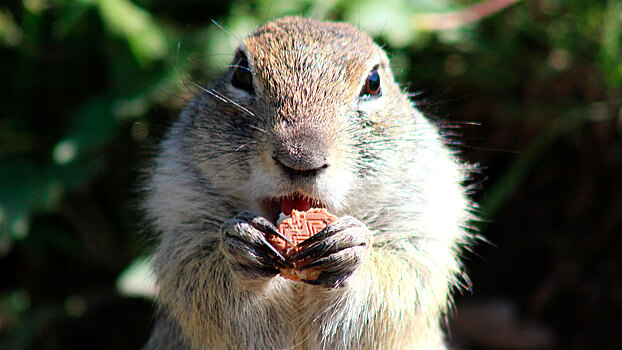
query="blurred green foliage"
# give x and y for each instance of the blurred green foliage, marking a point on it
(88, 85)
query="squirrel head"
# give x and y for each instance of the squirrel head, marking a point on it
(303, 115)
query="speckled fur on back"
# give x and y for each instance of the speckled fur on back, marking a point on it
(386, 166)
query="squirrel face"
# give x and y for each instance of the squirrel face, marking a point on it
(307, 107)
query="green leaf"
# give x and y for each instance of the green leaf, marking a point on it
(611, 43)
(146, 39)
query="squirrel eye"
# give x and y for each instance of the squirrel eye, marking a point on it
(242, 76)
(372, 84)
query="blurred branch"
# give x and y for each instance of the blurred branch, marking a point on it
(459, 18)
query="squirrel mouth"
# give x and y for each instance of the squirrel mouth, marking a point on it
(286, 204)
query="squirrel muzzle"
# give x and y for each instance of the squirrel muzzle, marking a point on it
(302, 151)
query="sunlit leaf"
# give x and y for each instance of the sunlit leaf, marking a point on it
(146, 39)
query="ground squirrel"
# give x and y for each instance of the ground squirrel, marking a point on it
(307, 115)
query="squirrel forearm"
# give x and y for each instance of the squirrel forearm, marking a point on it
(200, 292)
(394, 299)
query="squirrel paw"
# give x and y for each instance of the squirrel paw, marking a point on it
(244, 244)
(337, 251)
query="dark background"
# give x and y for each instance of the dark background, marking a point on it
(532, 93)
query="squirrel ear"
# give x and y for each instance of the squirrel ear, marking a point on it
(242, 75)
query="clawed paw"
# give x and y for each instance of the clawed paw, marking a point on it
(244, 243)
(329, 258)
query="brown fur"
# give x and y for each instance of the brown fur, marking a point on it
(388, 175)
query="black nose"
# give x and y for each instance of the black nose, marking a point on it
(300, 169)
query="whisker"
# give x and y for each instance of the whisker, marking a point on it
(244, 145)
(258, 129)
(219, 26)
(176, 67)
(224, 99)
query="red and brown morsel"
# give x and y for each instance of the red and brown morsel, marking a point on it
(298, 227)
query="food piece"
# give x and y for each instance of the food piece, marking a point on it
(298, 227)
(299, 275)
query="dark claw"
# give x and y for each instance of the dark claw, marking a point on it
(320, 248)
(261, 251)
(317, 237)
(262, 224)
(272, 272)
(312, 282)
(270, 228)
(266, 244)
(329, 262)
(317, 263)
(328, 281)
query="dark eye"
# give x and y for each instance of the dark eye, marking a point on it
(372, 84)
(242, 76)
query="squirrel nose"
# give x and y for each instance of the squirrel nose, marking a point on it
(300, 169)
(301, 156)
